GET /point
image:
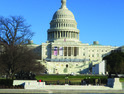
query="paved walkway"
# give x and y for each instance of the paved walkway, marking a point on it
(69, 87)
(58, 91)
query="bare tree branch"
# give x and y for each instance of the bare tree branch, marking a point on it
(14, 33)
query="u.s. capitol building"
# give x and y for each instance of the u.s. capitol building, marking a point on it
(63, 53)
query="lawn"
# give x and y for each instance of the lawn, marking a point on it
(121, 79)
(76, 78)
(73, 80)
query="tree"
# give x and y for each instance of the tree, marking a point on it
(115, 62)
(15, 56)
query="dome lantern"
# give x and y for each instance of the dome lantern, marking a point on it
(63, 6)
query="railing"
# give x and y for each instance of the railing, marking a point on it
(67, 60)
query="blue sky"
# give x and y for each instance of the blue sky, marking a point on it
(98, 20)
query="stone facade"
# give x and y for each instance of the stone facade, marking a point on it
(63, 53)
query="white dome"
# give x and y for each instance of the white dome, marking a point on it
(63, 14)
(63, 25)
(65, 17)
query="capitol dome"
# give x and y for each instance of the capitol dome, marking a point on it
(63, 25)
(63, 14)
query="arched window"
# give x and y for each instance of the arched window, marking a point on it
(66, 65)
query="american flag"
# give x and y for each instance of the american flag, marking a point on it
(55, 51)
(65, 40)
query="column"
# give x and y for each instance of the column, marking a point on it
(60, 34)
(58, 50)
(57, 34)
(77, 51)
(75, 34)
(65, 34)
(73, 51)
(56, 25)
(67, 51)
(70, 34)
(63, 52)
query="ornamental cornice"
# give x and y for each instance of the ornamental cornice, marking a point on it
(61, 29)
(63, 20)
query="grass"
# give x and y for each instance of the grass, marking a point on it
(121, 79)
(62, 78)
(77, 78)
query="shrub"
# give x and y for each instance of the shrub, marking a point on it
(6, 82)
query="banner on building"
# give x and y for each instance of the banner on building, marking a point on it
(55, 51)
(65, 40)
(61, 51)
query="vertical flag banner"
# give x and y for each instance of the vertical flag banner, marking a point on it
(61, 51)
(55, 51)
(65, 40)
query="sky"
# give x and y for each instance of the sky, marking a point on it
(97, 20)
